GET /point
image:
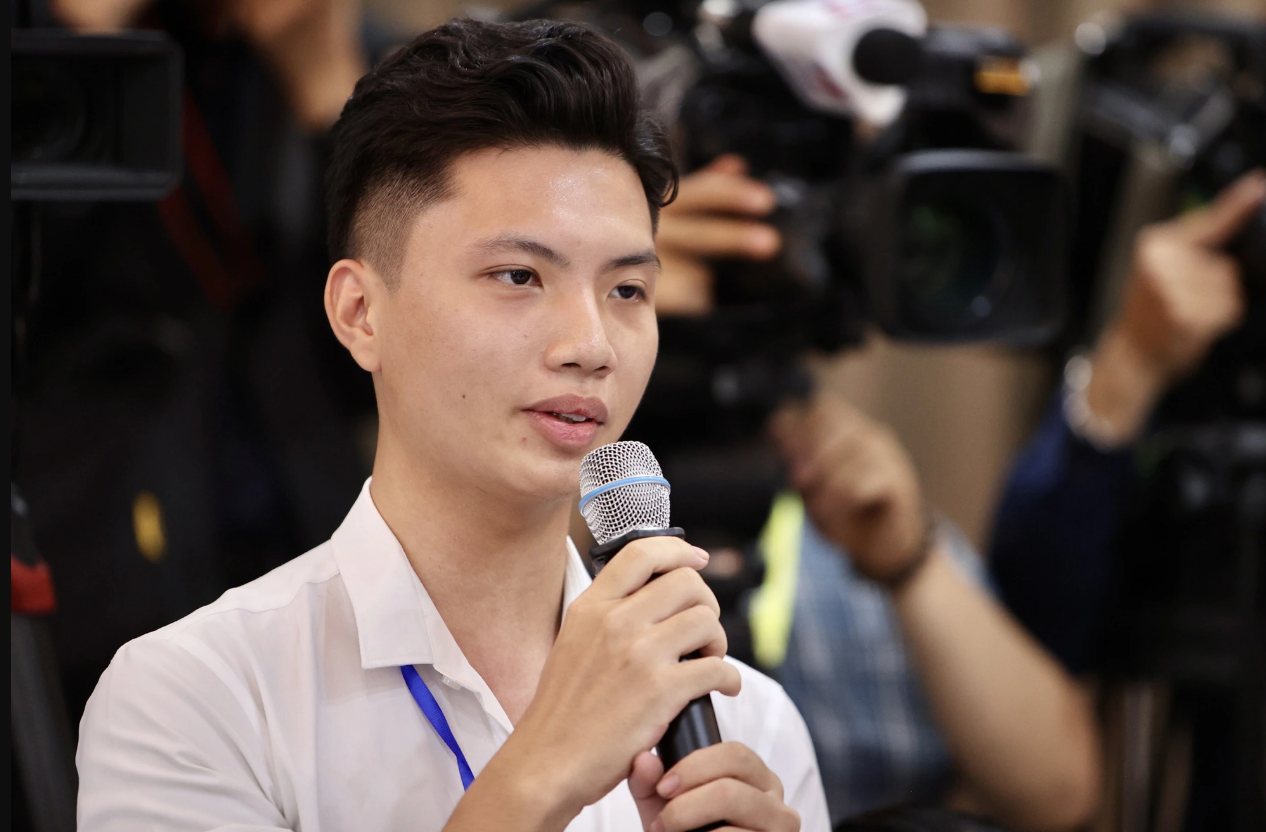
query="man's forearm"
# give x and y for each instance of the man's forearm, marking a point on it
(1019, 729)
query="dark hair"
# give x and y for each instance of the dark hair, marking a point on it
(470, 85)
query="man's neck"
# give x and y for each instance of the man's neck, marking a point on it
(494, 571)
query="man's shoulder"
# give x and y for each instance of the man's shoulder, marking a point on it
(290, 590)
(220, 658)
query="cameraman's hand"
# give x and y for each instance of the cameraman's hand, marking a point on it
(714, 215)
(725, 782)
(859, 485)
(1183, 294)
(313, 47)
(612, 683)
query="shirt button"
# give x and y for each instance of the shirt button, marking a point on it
(449, 682)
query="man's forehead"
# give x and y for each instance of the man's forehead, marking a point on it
(497, 199)
(547, 174)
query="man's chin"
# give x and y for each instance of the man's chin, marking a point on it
(546, 472)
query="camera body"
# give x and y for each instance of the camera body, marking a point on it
(932, 227)
(1173, 110)
(95, 117)
(901, 201)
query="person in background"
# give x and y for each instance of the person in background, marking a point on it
(1062, 524)
(916, 684)
(186, 422)
(313, 48)
(1063, 503)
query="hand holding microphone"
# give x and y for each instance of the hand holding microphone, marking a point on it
(614, 682)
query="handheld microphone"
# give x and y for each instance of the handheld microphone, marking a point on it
(624, 497)
(847, 57)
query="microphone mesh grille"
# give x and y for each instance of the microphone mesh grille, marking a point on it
(642, 505)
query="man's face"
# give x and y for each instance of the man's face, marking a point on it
(522, 332)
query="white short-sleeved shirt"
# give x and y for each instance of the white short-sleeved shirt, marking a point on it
(282, 706)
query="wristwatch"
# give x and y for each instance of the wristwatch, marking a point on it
(1081, 419)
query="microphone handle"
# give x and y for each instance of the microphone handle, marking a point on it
(696, 726)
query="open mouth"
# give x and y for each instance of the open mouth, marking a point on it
(570, 418)
(569, 421)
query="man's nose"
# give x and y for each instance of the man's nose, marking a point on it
(581, 343)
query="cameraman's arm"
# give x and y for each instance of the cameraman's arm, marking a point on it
(1021, 733)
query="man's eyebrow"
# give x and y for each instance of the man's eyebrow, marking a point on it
(642, 258)
(513, 242)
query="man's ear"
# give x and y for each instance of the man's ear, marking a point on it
(352, 292)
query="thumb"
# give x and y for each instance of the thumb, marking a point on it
(1217, 223)
(647, 770)
(787, 423)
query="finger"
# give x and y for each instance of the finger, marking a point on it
(638, 561)
(713, 236)
(859, 489)
(730, 163)
(785, 426)
(698, 677)
(806, 427)
(712, 190)
(727, 759)
(645, 775)
(829, 411)
(1222, 219)
(735, 802)
(841, 448)
(669, 594)
(697, 629)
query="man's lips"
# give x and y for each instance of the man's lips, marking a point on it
(575, 409)
(569, 422)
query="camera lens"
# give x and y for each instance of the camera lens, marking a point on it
(947, 274)
(49, 113)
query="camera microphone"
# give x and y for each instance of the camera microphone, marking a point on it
(887, 56)
(845, 57)
(624, 497)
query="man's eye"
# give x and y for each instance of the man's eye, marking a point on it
(515, 277)
(629, 292)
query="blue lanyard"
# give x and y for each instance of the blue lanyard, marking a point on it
(431, 709)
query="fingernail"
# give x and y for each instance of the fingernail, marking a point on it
(668, 786)
(657, 825)
(703, 554)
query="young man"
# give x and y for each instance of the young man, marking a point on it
(493, 193)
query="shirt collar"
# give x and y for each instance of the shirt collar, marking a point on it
(396, 620)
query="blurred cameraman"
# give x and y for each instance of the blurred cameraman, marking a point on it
(186, 422)
(1060, 513)
(978, 716)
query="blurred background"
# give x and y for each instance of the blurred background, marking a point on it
(183, 419)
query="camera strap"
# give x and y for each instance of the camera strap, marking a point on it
(227, 270)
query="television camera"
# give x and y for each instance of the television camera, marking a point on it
(901, 201)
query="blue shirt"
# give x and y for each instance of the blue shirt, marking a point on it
(1053, 538)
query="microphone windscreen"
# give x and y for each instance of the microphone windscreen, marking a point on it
(886, 56)
(622, 488)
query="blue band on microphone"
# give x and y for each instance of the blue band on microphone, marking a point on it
(602, 489)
